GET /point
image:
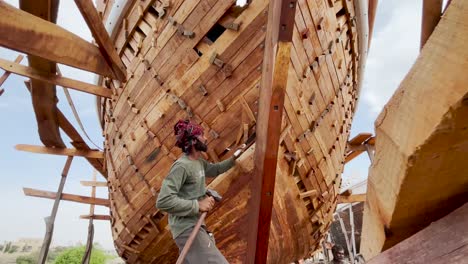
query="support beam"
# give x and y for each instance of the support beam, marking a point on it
(274, 81)
(444, 241)
(93, 183)
(89, 243)
(311, 193)
(72, 133)
(101, 37)
(51, 219)
(6, 74)
(420, 173)
(54, 79)
(32, 35)
(354, 198)
(63, 152)
(66, 197)
(96, 217)
(431, 13)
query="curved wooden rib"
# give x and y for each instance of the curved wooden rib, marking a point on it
(43, 94)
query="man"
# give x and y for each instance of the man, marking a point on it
(182, 193)
(338, 255)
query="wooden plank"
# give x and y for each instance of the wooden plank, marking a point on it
(77, 140)
(359, 138)
(431, 13)
(311, 193)
(32, 35)
(51, 219)
(66, 197)
(54, 79)
(419, 173)
(354, 198)
(101, 37)
(96, 217)
(275, 77)
(444, 241)
(6, 74)
(63, 152)
(93, 183)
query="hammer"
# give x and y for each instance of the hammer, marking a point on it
(195, 230)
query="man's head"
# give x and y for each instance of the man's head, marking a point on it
(338, 252)
(189, 136)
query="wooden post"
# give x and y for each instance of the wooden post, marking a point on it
(51, 219)
(89, 242)
(343, 229)
(351, 222)
(431, 13)
(274, 80)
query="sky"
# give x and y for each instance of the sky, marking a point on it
(394, 48)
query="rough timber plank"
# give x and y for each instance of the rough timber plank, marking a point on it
(54, 79)
(91, 16)
(66, 197)
(60, 151)
(421, 171)
(23, 29)
(426, 246)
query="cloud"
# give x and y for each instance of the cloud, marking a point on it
(393, 50)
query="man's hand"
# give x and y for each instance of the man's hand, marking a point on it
(206, 204)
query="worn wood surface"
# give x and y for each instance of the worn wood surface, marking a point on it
(444, 241)
(171, 77)
(54, 79)
(50, 220)
(419, 173)
(35, 36)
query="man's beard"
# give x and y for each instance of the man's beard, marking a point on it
(200, 146)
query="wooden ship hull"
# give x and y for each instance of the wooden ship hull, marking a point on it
(203, 60)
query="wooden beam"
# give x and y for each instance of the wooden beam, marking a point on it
(354, 198)
(420, 173)
(51, 219)
(54, 79)
(96, 217)
(58, 151)
(43, 95)
(32, 35)
(66, 197)
(431, 13)
(311, 193)
(77, 140)
(444, 241)
(274, 81)
(93, 183)
(6, 74)
(101, 37)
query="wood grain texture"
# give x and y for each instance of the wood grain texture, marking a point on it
(22, 29)
(166, 71)
(420, 175)
(54, 79)
(426, 247)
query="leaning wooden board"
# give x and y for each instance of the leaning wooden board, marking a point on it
(168, 48)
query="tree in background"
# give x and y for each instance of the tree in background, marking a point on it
(75, 254)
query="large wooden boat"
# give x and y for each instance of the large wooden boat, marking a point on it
(202, 60)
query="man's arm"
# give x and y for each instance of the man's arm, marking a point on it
(215, 169)
(168, 199)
